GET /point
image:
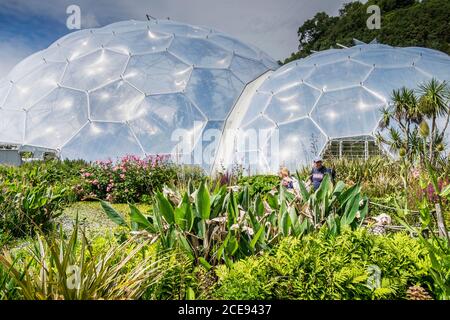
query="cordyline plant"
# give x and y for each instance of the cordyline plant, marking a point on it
(58, 268)
(226, 224)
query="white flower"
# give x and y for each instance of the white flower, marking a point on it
(235, 226)
(248, 230)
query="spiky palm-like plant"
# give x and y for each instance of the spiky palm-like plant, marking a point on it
(434, 103)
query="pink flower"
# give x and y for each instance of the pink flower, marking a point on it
(122, 176)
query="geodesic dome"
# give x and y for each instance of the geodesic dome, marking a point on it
(330, 95)
(125, 88)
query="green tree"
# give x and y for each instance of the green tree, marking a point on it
(403, 23)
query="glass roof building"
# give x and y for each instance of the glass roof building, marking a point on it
(125, 89)
(140, 88)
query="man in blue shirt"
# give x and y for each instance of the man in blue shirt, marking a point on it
(318, 173)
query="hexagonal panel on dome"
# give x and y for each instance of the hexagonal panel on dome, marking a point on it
(157, 73)
(300, 141)
(348, 112)
(161, 120)
(247, 69)
(383, 81)
(292, 103)
(200, 53)
(26, 66)
(329, 56)
(259, 102)
(233, 45)
(56, 118)
(214, 91)
(286, 77)
(102, 141)
(34, 86)
(261, 122)
(116, 101)
(80, 44)
(180, 29)
(94, 70)
(140, 42)
(5, 86)
(124, 26)
(12, 124)
(208, 141)
(438, 67)
(425, 51)
(387, 57)
(338, 75)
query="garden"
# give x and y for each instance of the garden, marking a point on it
(147, 228)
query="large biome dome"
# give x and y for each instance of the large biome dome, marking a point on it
(332, 95)
(125, 89)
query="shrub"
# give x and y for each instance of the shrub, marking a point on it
(25, 208)
(130, 179)
(323, 267)
(51, 173)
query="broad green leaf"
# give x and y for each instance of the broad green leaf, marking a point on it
(113, 214)
(256, 237)
(351, 214)
(137, 217)
(340, 186)
(201, 228)
(203, 202)
(204, 263)
(293, 216)
(245, 198)
(180, 218)
(347, 194)
(232, 245)
(285, 223)
(165, 208)
(232, 210)
(185, 245)
(303, 191)
(272, 201)
(183, 214)
(189, 214)
(259, 206)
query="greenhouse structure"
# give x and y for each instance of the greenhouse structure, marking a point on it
(203, 97)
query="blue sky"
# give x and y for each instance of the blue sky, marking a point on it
(27, 26)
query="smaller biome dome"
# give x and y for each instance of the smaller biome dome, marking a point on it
(331, 95)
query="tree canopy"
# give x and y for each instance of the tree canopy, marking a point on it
(404, 23)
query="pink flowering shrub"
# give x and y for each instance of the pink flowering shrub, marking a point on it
(130, 179)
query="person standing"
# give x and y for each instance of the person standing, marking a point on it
(286, 179)
(318, 173)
